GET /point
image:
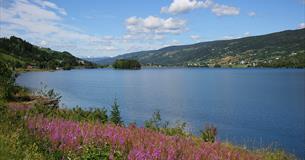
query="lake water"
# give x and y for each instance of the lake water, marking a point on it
(252, 107)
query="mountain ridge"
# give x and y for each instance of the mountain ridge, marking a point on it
(279, 49)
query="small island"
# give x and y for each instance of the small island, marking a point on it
(126, 64)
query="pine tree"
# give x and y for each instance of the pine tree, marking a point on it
(115, 116)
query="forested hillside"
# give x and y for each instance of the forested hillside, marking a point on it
(19, 53)
(281, 49)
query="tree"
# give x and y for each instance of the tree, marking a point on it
(126, 64)
(6, 81)
(115, 116)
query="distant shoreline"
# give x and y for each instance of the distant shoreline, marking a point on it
(20, 71)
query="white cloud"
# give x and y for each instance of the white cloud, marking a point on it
(251, 14)
(236, 36)
(109, 48)
(155, 25)
(151, 32)
(224, 10)
(47, 4)
(195, 38)
(229, 37)
(41, 23)
(183, 6)
(22, 9)
(172, 43)
(301, 25)
(43, 43)
(247, 34)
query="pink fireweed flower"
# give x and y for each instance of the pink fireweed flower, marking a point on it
(135, 143)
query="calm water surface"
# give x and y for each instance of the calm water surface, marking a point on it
(252, 107)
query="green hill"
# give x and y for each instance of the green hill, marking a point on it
(21, 54)
(281, 49)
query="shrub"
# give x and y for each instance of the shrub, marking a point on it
(103, 152)
(209, 134)
(177, 129)
(98, 114)
(155, 122)
(93, 152)
(7, 80)
(3, 112)
(52, 98)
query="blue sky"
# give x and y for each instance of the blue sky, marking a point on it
(98, 28)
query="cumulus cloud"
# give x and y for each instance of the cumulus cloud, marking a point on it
(224, 10)
(32, 18)
(183, 6)
(251, 14)
(195, 38)
(154, 25)
(151, 30)
(41, 23)
(301, 25)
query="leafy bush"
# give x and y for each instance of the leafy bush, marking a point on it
(103, 152)
(93, 152)
(7, 80)
(99, 115)
(177, 129)
(50, 97)
(155, 122)
(79, 114)
(209, 134)
(3, 112)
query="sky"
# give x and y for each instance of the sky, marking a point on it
(99, 28)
